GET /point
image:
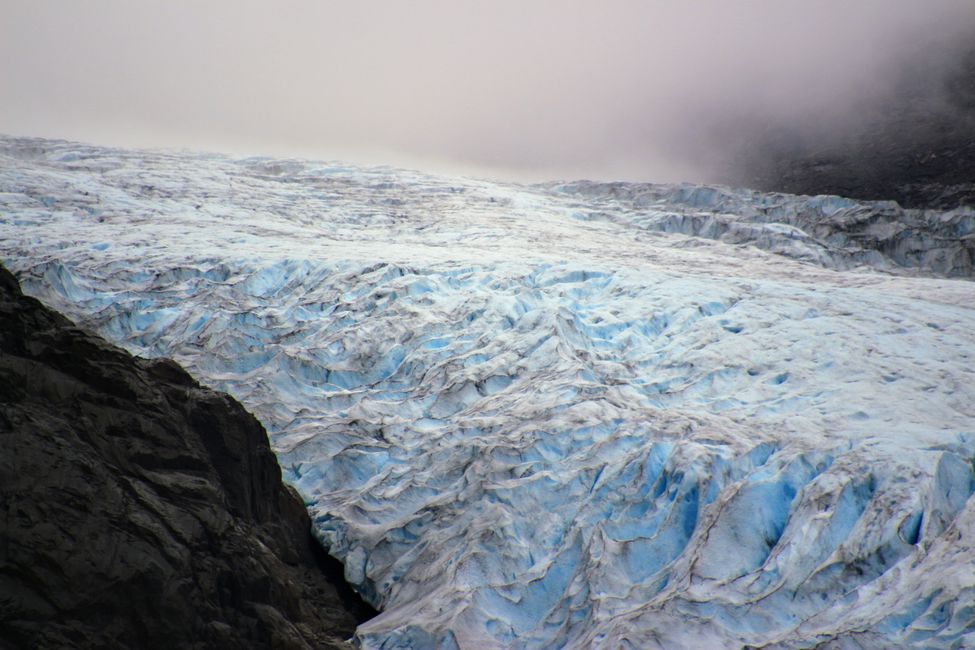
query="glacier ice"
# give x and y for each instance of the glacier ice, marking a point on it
(562, 415)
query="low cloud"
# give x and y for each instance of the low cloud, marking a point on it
(623, 89)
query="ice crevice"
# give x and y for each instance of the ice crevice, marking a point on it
(536, 417)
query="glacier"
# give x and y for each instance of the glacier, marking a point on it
(557, 415)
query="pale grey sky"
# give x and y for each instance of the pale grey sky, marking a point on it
(525, 90)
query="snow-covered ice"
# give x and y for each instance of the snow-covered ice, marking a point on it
(562, 415)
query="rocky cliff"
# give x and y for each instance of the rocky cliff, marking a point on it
(140, 509)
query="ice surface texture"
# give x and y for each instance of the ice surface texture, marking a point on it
(535, 416)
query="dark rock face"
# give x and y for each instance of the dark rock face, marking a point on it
(141, 510)
(916, 146)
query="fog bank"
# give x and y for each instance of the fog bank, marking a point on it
(621, 89)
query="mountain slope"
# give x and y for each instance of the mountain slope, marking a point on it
(914, 145)
(142, 510)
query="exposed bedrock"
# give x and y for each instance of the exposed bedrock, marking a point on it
(143, 510)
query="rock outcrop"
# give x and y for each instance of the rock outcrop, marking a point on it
(142, 510)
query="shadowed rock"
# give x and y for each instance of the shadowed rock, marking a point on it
(140, 509)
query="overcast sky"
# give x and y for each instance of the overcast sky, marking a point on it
(521, 89)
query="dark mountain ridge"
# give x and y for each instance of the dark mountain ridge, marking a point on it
(914, 143)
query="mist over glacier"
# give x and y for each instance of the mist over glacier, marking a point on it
(557, 415)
